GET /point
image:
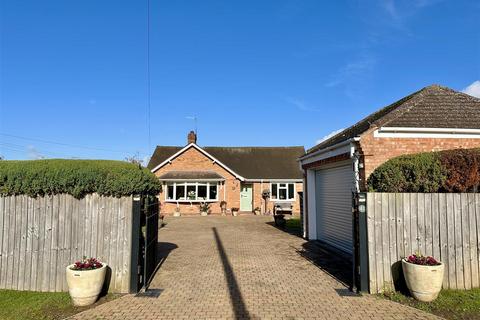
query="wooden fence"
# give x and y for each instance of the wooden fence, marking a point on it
(444, 225)
(40, 236)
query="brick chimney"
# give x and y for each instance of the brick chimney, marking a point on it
(192, 137)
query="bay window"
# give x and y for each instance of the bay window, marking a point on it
(191, 191)
(281, 191)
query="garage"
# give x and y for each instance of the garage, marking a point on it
(333, 192)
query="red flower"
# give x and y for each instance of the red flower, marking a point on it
(422, 260)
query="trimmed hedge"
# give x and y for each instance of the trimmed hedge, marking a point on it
(76, 177)
(444, 171)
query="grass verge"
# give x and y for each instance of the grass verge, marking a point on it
(27, 305)
(293, 226)
(450, 304)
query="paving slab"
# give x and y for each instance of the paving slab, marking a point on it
(244, 268)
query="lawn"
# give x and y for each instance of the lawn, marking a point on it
(451, 304)
(293, 226)
(26, 305)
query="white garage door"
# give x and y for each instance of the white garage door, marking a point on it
(334, 206)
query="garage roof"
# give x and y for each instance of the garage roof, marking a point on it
(431, 107)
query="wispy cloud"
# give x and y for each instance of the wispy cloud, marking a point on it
(331, 134)
(33, 153)
(397, 11)
(386, 22)
(352, 70)
(473, 89)
(300, 104)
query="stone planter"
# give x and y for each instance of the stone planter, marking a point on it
(176, 214)
(85, 286)
(234, 213)
(424, 282)
(204, 213)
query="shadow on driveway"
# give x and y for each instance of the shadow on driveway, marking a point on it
(239, 307)
(337, 265)
(293, 230)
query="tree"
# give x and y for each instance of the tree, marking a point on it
(135, 159)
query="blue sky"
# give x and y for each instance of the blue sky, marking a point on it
(280, 72)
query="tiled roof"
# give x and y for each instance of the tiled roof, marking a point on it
(431, 107)
(191, 175)
(248, 162)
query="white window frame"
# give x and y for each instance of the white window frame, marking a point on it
(286, 187)
(185, 184)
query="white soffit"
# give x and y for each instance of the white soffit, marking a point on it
(441, 133)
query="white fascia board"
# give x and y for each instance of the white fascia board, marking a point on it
(335, 150)
(202, 151)
(273, 180)
(440, 133)
(191, 180)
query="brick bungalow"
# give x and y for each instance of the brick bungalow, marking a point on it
(432, 119)
(236, 175)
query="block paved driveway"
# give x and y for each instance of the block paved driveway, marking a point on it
(243, 268)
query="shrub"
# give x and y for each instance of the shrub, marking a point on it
(444, 171)
(421, 172)
(463, 170)
(76, 177)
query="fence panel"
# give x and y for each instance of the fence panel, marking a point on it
(40, 236)
(443, 224)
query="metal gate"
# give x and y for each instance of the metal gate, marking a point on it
(144, 241)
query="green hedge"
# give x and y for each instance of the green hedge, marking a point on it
(445, 171)
(76, 177)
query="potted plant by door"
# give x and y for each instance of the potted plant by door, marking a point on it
(223, 207)
(257, 211)
(424, 276)
(204, 208)
(235, 211)
(176, 212)
(85, 280)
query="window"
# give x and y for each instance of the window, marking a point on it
(170, 192)
(274, 191)
(202, 192)
(180, 192)
(191, 191)
(283, 191)
(213, 191)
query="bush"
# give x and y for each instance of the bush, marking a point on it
(444, 171)
(421, 172)
(463, 170)
(76, 177)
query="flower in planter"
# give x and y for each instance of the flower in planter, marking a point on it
(87, 264)
(191, 195)
(418, 258)
(204, 207)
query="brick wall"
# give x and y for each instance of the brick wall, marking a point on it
(191, 160)
(258, 201)
(378, 150)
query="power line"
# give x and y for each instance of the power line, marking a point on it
(62, 143)
(25, 149)
(148, 77)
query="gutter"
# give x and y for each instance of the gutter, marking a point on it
(328, 149)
